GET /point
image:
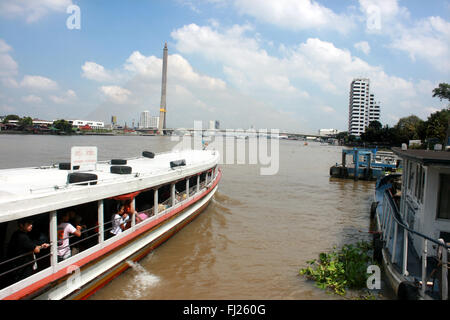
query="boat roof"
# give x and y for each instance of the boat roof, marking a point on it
(426, 157)
(28, 191)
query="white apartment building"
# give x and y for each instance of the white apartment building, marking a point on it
(214, 124)
(154, 122)
(146, 121)
(363, 108)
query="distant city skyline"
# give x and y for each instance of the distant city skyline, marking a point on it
(273, 64)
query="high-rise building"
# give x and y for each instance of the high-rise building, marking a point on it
(363, 108)
(214, 124)
(144, 120)
(154, 122)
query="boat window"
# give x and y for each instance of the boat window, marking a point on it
(192, 185)
(18, 241)
(84, 216)
(202, 179)
(144, 204)
(418, 183)
(444, 199)
(180, 190)
(422, 185)
(411, 179)
(164, 198)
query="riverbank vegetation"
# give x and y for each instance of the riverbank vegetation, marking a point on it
(342, 269)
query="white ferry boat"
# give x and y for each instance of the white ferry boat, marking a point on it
(412, 214)
(163, 192)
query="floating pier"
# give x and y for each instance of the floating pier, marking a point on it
(366, 165)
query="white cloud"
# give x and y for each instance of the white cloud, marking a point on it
(427, 40)
(67, 97)
(38, 83)
(278, 80)
(8, 66)
(116, 94)
(295, 14)
(31, 10)
(96, 72)
(246, 65)
(32, 99)
(4, 47)
(382, 16)
(363, 46)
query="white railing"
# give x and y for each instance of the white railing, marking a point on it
(391, 226)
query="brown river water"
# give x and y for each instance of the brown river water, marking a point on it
(254, 236)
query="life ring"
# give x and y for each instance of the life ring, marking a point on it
(76, 177)
(373, 209)
(66, 166)
(177, 163)
(121, 169)
(148, 154)
(377, 247)
(408, 290)
(119, 161)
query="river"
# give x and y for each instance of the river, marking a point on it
(252, 239)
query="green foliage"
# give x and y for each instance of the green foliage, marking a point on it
(63, 126)
(437, 124)
(11, 117)
(26, 122)
(341, 269)
(442, 92)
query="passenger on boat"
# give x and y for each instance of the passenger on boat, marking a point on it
(119, 220)
(141, 217)
(64, 230)
(22, 248)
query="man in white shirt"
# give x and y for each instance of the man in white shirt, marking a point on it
(65, 229)
(119, 221)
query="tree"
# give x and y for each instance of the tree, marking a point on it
(437, 124)
(11, 117)
(63, 126)
(442, 92)
(376, 125)
(409, 128)
(26, 122)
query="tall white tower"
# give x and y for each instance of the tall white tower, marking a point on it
(162, 108)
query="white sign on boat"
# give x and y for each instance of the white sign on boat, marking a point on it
(82, 156)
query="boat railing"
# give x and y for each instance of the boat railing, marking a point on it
(396, 233)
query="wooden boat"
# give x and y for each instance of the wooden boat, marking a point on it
(164, 192)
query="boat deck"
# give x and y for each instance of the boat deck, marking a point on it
(17, 183)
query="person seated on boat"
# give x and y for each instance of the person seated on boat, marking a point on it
(76, 220)
(23, 249)
(65, 229)
(119, 220)
(141, 216)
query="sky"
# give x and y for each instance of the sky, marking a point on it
(284, 64)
